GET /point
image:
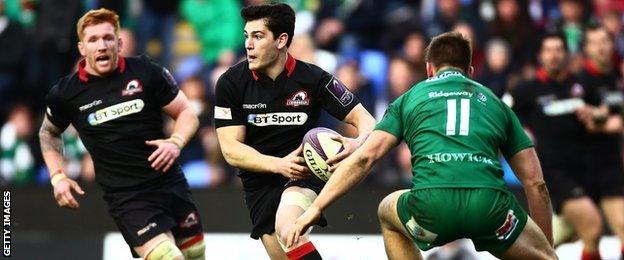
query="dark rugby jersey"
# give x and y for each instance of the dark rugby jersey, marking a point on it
(277, 114)
(114, 116)
(605, 89)
(548, 109)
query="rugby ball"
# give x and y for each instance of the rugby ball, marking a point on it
(317, 147)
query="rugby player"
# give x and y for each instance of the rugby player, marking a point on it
(264, 106)
(455, 128)
(601, 184)
(116, 104)
(561, 110)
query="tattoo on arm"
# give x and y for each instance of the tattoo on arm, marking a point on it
(50, 137)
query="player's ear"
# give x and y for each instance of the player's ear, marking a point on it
(430, 70)
(81, 49)
(282, 39)
(119, 44)
(470, 71)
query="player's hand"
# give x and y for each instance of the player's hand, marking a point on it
(309, 217)
(591, 117)
(165, 155)
(349, 146)
(63, 193)
(292, 166)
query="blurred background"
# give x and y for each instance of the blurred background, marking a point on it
(375, 47)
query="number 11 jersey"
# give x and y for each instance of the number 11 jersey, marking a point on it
(455, 128)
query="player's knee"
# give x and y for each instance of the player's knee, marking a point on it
(195, 250)
(385, 208)
(164, 250)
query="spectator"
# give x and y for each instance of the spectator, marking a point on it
(414, 52)
(17, 164)
(217, 24)
(496, 71)
(155, 29)
(513, 24)
(12, 40)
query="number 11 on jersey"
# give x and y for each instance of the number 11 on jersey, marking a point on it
(451, 116)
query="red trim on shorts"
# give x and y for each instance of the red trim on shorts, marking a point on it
(301, 251)
(194, 240)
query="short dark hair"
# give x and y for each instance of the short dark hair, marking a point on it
(592, 27)
(555, 35)
(279, 18)
(450, 49)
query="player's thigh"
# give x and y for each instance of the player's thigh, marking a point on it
(388, 212)
(531, 244)
(272, 247)
(162, 246)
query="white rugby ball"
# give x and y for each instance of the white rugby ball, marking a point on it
(317, 147)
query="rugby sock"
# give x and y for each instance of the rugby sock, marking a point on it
(306, 251)
(590, 255)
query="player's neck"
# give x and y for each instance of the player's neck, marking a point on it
(602, 67)
(275, 68)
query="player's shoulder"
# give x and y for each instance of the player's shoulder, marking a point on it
(64, 85)
(141, 62)
(308, 70)
(238, 72)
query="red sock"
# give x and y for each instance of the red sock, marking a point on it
(590, 255)
(305, 251)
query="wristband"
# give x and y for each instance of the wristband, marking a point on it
(57, 176)
(178, 140)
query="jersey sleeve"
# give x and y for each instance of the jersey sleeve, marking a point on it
(391, 121)
(228, 105)
(165, 88)
(55, 109)
(517, 139)
(336, 97)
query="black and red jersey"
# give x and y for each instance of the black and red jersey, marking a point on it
(114, 116)
(608, 90)
(547, 107)
(277, 113)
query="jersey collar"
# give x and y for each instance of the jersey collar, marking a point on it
(289, 66)
(542, 76)
(83, 75)
(438, 73)
(591, 68)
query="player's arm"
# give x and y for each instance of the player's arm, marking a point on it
(186, 123)
(349, 173)
(242, 156)
(52, 151)
(361, 119)
(526, 166)
(600, 120)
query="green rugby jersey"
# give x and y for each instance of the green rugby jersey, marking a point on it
(454, 128)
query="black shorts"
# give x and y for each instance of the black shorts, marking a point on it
(262, 197)
(143, 214)
(594, 180)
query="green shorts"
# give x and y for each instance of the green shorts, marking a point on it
(492, 218)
